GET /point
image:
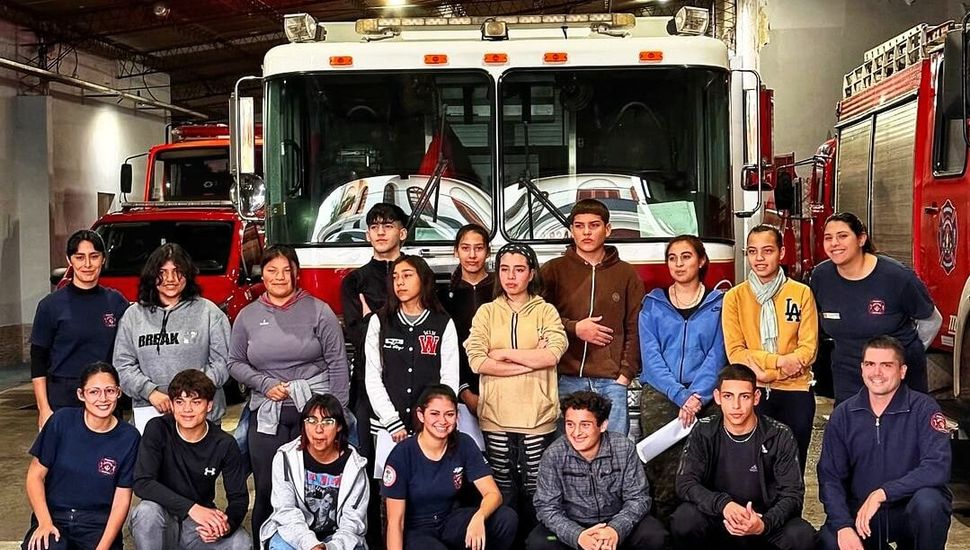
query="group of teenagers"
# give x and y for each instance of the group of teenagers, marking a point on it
(503, 397)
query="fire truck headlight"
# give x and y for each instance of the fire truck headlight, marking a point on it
(495, 30)
(302, 27)
(691, 20)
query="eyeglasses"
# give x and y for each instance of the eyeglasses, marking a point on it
(110, 392)
(314, 421)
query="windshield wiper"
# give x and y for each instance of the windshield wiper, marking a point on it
(434, 182)
(527, 182)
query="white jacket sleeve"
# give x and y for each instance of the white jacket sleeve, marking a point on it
(133, 381)
(352, 523)
(450, 357)
(380, 401)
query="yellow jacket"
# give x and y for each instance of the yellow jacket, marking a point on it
(525, 403)
(797, 331)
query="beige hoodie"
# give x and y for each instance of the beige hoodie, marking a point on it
(526, 403)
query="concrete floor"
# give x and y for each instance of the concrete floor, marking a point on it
(19, 420)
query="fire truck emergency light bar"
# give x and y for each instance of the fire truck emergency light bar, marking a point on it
(176, 204)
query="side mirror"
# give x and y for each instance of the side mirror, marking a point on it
(57, 274)
(126, 178)
(750, 177)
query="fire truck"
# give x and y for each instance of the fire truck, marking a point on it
(899, 161)
(505, 122)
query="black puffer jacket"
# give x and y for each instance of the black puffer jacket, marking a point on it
(782, 488)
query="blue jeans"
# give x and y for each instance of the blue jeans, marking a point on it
(616, 392)
(78, 529)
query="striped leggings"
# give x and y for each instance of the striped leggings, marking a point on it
(514, 459)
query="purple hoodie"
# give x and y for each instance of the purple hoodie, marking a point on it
(272, 344)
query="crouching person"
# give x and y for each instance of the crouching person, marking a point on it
(739, 478)
(592, 491)
(179, 459)
(320, 485)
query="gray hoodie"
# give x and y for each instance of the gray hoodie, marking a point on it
(155, 343)
(291, 517)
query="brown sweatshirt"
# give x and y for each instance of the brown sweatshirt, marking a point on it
(612, 289)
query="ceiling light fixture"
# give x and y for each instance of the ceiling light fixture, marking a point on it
(161, 9)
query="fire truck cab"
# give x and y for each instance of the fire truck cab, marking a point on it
(501, 121)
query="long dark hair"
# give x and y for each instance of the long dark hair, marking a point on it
(857, 227)
(283, 251)
(150, 277)
(698, 247)
(433, 392)
(328, 406)
(428, 295)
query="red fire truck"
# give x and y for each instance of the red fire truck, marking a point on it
(505, 122)
(899, 161)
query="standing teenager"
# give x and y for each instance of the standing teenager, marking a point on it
(79, 481)
(73, 327)
(171, 328)
(470, 287)
(860, 295)
(411, 344)
(682, 350)
(515, 344)
(598, 296)
(770, 324)
(286, 346)
(422, 480)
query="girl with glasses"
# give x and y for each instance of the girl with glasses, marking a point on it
(320, 487)
(171, 328)
(79, 481)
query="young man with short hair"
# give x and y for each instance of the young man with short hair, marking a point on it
(739, 478)
(598, 296)
(592, 491)
(885, 461)
(179, 459)
(73, 327)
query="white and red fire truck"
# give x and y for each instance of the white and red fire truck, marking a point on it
(899, 161)
(501, 121)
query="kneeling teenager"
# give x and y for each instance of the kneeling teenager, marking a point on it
(739, 478)
(592, 491)
(423, 476)
(320, 485)
(179, 459)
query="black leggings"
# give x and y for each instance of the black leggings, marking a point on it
(262, 449)
(796, 409)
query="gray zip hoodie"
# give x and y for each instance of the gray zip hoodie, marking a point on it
(155, 343)
(291, 517)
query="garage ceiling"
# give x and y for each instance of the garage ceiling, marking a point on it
(205, 45)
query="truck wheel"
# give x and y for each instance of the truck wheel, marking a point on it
(235, 391)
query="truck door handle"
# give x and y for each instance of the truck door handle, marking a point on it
(932, 209)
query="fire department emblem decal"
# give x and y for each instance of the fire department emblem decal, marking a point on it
(947, 237)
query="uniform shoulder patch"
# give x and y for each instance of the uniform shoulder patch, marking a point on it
(390, 476)
(938, 423)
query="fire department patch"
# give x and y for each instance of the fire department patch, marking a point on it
(877, 307)
(616, 297)
(390, 476)
(107, 466)
(109, 320)
(947, 237)
(938, 423)
(457, 475)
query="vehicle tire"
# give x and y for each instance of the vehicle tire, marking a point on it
(235, 391)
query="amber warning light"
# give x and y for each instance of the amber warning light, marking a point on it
(651, 56)
(435, 59)
(341, 61)
(496, 58)
(555, 57)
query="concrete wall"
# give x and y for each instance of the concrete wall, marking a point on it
(814, 43)
(57, 152)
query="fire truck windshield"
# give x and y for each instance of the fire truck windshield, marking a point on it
(193, 173)
(130, 244)
(342, 142)
(651, 143)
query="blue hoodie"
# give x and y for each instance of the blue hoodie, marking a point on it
(679, 357)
